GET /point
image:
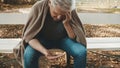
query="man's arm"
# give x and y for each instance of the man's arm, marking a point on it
(38, 46)
(76, 17)
(34, 43)
(67, 26)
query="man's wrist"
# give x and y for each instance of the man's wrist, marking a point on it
(45, 53)
(66, 22)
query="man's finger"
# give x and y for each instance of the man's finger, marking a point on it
(55, 56)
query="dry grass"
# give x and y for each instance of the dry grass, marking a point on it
(92, 30)
(103, 59)
(95, 59)
(102, 30)
(11, 31)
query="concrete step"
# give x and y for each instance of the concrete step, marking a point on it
(111, 43)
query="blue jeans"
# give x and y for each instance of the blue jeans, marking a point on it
(73, 48)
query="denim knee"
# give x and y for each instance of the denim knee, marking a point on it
(80, 52)
(31, 56)
(28, 56)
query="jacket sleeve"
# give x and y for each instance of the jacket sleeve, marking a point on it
(30, 24)
(75, 16)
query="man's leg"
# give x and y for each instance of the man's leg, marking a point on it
(77, 50)
(31, 57)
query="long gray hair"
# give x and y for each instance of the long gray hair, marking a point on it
(64, 4)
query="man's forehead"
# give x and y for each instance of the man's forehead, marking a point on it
(59, 10)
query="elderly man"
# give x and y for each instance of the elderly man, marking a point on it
(53, 24)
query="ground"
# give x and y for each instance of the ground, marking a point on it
(92, 30)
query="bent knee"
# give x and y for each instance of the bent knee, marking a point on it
(80, 52)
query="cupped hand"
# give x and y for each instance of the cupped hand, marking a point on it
(51, 56)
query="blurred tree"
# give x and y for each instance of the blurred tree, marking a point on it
(19, 1)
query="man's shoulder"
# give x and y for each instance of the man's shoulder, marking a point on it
(39, 4)
(74, 11)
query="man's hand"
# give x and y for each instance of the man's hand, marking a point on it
(51, 56)
(67, 25)
(39, 47)
(67, 18)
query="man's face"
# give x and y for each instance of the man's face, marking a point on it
(56, 13)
